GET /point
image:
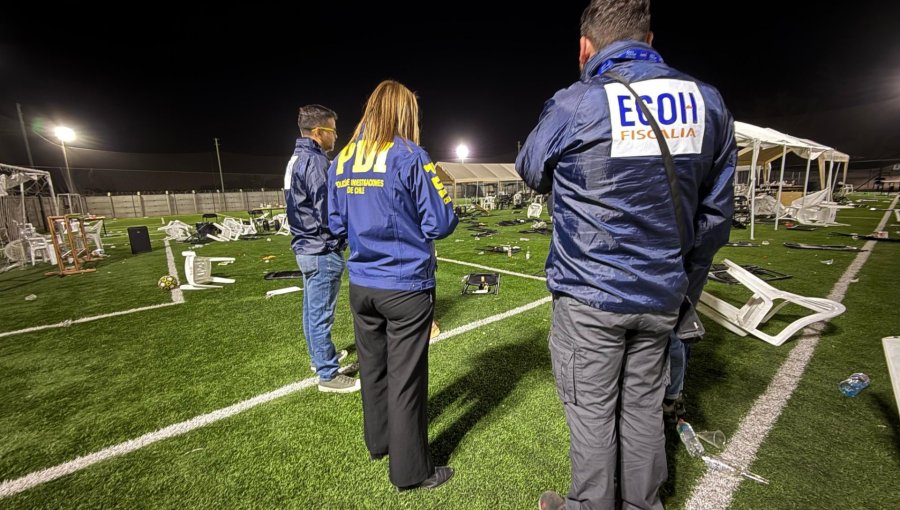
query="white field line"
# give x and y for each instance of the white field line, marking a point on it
(715, 491)
(177, 294)
(479, 266)
(177, 299)
(12, 487)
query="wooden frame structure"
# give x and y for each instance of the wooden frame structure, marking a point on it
(70, 261)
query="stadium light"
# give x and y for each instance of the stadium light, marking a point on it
(462, 152)
(66, 135)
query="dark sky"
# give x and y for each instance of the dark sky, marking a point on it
(170, 78)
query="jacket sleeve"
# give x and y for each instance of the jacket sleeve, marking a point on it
(336, 205)
(316, 182)
(544, 146)
(716, 206)
(438, 220)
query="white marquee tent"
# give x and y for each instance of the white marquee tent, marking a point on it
(455, 174)
(757, 147)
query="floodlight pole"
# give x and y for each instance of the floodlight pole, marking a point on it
(25, 136)
(219, 159)
(68, 171)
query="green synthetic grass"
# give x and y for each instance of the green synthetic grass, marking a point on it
(494, 412)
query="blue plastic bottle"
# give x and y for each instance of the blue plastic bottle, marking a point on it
(854, 384)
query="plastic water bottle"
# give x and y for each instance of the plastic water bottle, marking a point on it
(854, 384)
(689, 438)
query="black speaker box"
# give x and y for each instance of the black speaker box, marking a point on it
(139, 238)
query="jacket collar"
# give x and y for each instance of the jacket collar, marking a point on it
(619, 51)
(307, 144)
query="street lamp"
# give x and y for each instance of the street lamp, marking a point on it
(462, 152)
(66, 135)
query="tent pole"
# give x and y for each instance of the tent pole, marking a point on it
(780, 185)
(846, 164)
(806, 179)
(830, 170)
(53, 196)
(753, 189)
(22, 197)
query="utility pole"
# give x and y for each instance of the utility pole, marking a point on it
(25, 136)
(219, 159)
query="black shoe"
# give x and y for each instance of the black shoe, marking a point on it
(377, 456)
(440, 476)
(673, 409)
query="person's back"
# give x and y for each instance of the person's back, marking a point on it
(390, 237)
(617, 267)
(385, 196)
(615, 244)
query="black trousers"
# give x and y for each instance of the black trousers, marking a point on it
(392, 332)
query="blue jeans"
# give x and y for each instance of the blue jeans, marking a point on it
(321, 282)
(679, 352)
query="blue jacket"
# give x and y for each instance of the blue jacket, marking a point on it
(391, 206)
(615, 243)
(305, 200)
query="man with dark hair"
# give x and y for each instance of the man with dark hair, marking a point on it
(319, 253)
(618, 268)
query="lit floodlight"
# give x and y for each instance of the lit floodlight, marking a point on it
(462, 152)
(64, 134)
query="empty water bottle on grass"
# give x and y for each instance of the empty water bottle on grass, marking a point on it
(689, 438)
(854, 384)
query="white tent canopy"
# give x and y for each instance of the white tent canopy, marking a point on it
(461, 173)
(760, 146)
(497, 174)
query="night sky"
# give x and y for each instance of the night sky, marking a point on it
(170, 78)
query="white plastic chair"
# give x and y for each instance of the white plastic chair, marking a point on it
(15, 255)
(176, 230)
(283, 228)
(40, 249)
(198, 271)
(225, 234)
(92, 232)
(534, 210)
(761, 307)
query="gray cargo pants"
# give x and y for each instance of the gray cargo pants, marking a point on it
(610, 375)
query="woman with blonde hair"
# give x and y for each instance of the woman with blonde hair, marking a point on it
(386, 198)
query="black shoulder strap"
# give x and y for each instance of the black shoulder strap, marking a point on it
(667, 157)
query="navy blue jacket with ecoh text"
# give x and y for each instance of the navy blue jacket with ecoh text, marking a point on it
(615, 242)
(392, 206)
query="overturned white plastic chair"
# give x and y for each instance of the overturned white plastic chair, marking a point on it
(93, 232)
(198, 271)
(283, 228)
(14, 252)
(225, 234)
(176, 230)
(761, 307)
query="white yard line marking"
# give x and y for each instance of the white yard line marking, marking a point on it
(479, 266)
(67, 323)
(12, 487)
(714, 491)
(177, 294)
(177, 299)
(494, 318)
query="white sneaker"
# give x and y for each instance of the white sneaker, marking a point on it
(341, 355)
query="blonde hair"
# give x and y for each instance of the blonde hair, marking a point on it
(392, 110)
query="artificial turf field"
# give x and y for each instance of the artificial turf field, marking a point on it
(69, 392)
